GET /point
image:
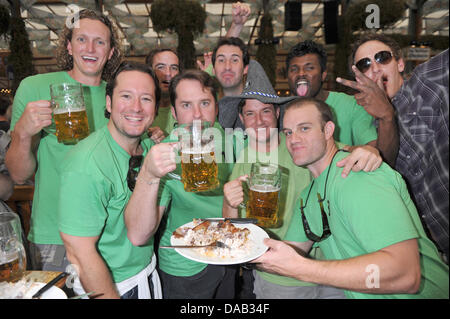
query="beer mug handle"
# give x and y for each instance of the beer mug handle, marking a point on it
(243, 205)
(21, 250)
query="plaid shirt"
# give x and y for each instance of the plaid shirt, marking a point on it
(422, 107)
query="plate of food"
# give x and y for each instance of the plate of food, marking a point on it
(244, 242)
(25, 289)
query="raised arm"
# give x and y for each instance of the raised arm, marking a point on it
(142, 214)
(372, 97)
(240, 13)
(21, 156)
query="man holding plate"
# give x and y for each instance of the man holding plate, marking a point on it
(259, 110)
(193, 95)
(366, 224)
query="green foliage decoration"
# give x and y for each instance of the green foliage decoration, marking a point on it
(4, 20)
(21, 57)
(184, 17)
(266, 53)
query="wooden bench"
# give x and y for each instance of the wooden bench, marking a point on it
(21, 202)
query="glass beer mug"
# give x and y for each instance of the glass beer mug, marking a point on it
(69, 113)
(12, 253)
(264, 185)
(199, 170)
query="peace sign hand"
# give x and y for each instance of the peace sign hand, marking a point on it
(371, 94)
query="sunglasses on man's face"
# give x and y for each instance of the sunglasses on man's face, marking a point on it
(382, 57)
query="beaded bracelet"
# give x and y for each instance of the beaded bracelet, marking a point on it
(153, 182)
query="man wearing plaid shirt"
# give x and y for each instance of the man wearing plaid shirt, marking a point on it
(421, 106)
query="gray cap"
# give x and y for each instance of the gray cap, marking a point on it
(258, 87)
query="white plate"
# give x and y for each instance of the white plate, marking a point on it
(52, 293)
(257, 235)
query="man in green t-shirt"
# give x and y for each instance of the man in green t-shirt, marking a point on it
(194, 97)
(366, 224)
(166, 64)
(306, 66)
(259, 111)
(88, 53)
(97, 179)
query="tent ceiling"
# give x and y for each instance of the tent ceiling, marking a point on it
(45, 18)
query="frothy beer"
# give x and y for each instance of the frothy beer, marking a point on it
(10, 270)
(71, 125)
(199, 170)
(263, 204)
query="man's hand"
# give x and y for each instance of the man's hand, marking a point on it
(364, 157)
(233, 192)
(371, 95)
(156, 134)
(240, 13)
(207, 61)
(36, 116)
(159, 161)
(281, 258)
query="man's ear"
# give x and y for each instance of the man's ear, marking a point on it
(324, 75)
(245, 69)
(329, 130)
(401, 65)
(108, 103)
(111, 53)
(174, 112)
(69, 47)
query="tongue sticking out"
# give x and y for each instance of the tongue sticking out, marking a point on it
(302, 89)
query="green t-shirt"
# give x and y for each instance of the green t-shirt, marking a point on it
(50, 154)
(293, 180)
(182, 207)
(164, 120)
(368, 212)
(354, 126)
(92, 200)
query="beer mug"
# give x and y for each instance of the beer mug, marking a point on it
(199, 170)
(69, 113)
(12, 253)
(264, 185)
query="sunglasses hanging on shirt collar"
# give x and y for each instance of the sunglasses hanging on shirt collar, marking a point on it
(382, 57)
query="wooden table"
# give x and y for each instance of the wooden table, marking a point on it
(45, 277)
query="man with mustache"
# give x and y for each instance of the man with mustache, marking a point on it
(306, 66)
(421, 105)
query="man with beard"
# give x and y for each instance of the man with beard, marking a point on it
(421, 108)
(306, 70)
